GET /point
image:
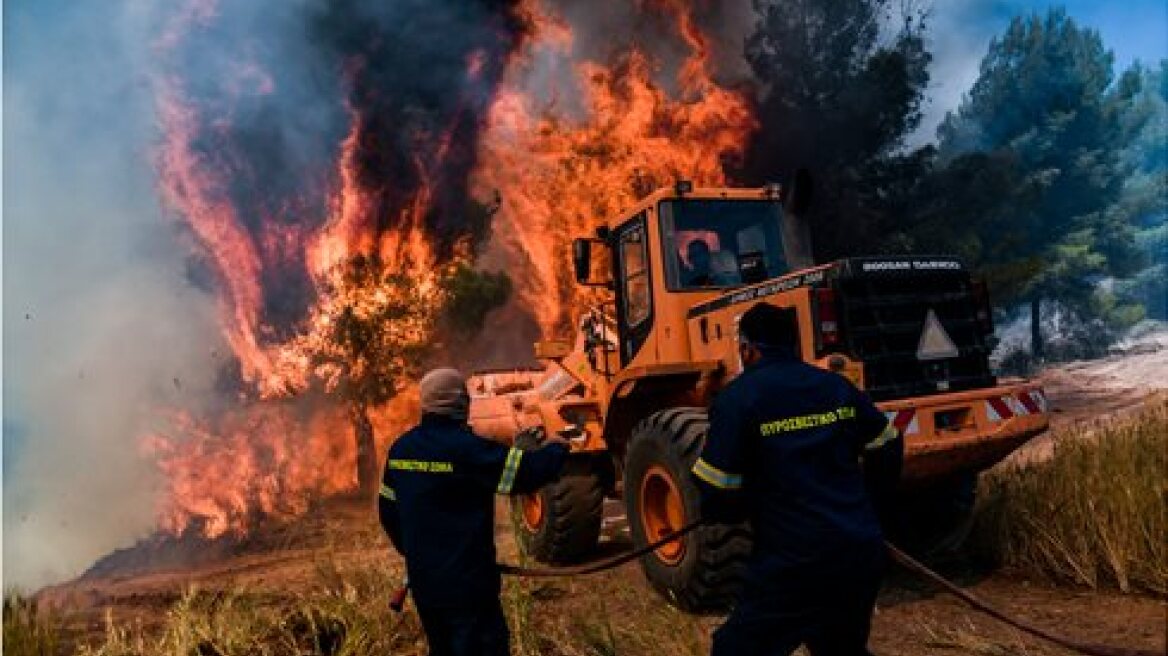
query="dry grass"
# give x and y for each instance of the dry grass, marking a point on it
(602, 616)
(967, 638)
(1094, 514)
(343, 611)
(346, 614)
(28, 632)
(577, 617)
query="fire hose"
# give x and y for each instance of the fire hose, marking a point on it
(911, 564)
(903, 559)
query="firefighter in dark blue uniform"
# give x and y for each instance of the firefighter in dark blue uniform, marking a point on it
(437, 505)
(806, 459)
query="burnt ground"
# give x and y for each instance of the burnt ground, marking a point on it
(138, 585)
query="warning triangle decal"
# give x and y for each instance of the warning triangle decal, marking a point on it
(935, 343)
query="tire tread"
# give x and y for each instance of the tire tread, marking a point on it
(574, 504)
(722, 550)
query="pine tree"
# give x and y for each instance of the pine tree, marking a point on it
(1042, 105)
(1142, 96)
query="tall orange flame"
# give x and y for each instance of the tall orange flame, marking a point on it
(560, 176)
(270, 456)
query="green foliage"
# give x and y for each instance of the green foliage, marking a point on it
(955, 209)
(1049, 179)
(470, 295)
(839, 101)
(1041, 113)
(1094, 514)
(1143, 94)
(1042, 84)
(1142, 98)
(381, 324)
(1122, 316)
(1149, 287)
(835, 94)
(376, 326)
(28, 631)
(379, 321)
(378, 330)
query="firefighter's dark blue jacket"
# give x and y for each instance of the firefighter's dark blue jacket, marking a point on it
(437, 505)
(785, 445)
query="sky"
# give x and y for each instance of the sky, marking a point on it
(961, 31)
(99, 320)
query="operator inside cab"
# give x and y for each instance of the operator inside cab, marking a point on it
(805, 458)
(717, 244)
(696, 265)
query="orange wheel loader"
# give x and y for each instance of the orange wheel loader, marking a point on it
(673, 275)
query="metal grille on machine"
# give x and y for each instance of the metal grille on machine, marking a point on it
(883, 318)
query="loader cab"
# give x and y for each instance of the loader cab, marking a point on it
(681, 247)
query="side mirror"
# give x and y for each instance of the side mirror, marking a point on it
(798, 194)
(582, 259)
(582, 262)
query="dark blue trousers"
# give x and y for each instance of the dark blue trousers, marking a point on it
(826, 606)
(472, 630)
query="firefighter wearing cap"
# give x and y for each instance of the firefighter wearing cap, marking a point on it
(801, 455)
(437, 505)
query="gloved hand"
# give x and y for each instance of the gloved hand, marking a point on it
(555, 439)
(531, 440)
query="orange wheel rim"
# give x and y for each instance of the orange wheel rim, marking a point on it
(662, 512)
(532, 507)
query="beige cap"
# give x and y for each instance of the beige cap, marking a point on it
(443, 392)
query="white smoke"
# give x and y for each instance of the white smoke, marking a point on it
(101, 327)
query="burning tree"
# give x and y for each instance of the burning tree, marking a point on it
(323, 185)
(371, 331)
(376, 326)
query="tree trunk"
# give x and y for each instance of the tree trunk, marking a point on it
(366, 450)
(1036, 351)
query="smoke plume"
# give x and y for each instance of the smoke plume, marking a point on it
(101, 325)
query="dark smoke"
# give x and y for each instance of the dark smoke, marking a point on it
(277, 89)
(414, 95)
(650, 26)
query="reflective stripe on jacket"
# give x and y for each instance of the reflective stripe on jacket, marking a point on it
(784, 450)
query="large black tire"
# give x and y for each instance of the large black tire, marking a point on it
(936, 521)
(705, 572)
(568, 526)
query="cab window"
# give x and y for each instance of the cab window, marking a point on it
(711, 244)
(635, 268)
